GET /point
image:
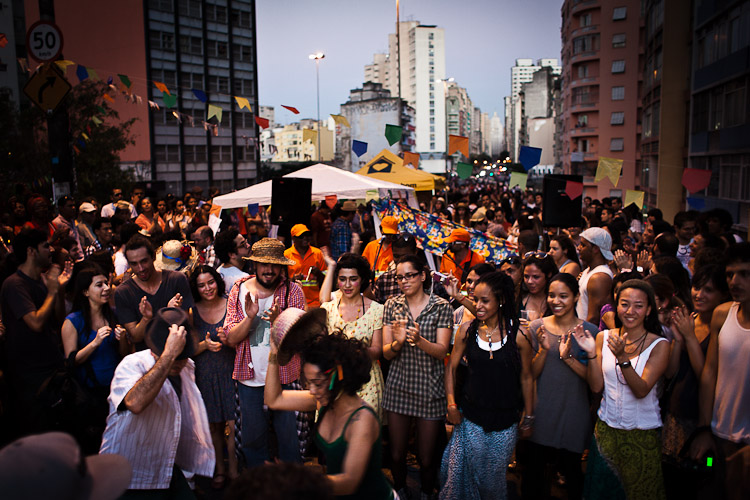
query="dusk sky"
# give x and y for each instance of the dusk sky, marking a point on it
(483, 38)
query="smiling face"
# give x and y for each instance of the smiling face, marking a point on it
(268, 275)
(98, 291)
(207, 287)
(560, 298)
(534, 279)
(487, 304)
(471, 283)
(146, 206)
(141, 262)
(410, 280)
(317, 383)
(349, 282)
(633, 308)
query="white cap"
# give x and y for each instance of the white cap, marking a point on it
(601, 238)
(86, 207)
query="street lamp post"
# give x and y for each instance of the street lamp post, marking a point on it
(445, 82)
(317, 57)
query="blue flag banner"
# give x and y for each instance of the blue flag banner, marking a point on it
(359, 147)
(431, 231)
(529, 157)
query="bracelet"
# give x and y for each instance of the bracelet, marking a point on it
(624, 364)
(592, 357)
(453, 405)
(273, 358)
(392, 348)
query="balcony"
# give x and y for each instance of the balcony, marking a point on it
(584, 5)
(584, 56)
(589, 80)
(585, 29)
(583, 131)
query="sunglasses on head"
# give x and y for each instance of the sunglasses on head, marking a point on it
(513, 261)
(538, 254)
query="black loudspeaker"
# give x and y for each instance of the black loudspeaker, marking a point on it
(558, 209)
(290, 201)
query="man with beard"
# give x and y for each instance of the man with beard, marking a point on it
(252, 305)
(149, 290)
(460, 258)
(231, 249)
(596, 279)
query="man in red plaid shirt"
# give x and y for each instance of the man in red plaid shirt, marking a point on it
(252, 305)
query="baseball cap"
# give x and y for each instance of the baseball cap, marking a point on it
(86, 207)
(299, 230)
(601, 238)
(459, 234)
(389, 225)
(51, 466)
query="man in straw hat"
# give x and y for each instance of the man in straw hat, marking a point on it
(595, 282)
(157, 419)
(251, 304)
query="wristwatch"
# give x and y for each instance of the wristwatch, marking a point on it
(639, 269)
(624, 364)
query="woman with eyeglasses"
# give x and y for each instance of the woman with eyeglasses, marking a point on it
(538, 270)
(562, 424)
(487, 411)
(625, 365)
(356, 316)
(564, 254)
(416, 336)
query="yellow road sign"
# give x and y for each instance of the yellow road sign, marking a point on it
(47, 88)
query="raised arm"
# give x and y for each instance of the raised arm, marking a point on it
(327, 287)
(276, 398)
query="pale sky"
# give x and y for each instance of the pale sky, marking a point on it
(483, 38)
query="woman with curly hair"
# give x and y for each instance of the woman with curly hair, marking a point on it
(348, 430)
(498, 382)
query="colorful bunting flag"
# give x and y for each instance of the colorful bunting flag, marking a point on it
(81, 73)
(696, 203)
(96, 120)
(24, 64)
(200, 95)
(102, 110)
(518, 179)
(341, 120)
(331, 200)
(458, 143)
(464, 170)
(153, 105)
(371, 194)
(696, 179)
(83, 134)
(291, 108)
(214, 111)
(252, 209)
(573, 189)
(109, 98)
(93, 75)
(162, 88)
(125, 80)
(610, 168)
(411, 159)
(393, 134)
(359, 147)
(215, 210)
(63, 65)
(262, 122)
(170, 100)
(529, 157)
(309, 134)
(632, 196)
(243, 102)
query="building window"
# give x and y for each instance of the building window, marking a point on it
(583, 71)
(584, 20)
(587, 43)
(161, 5)
(617, 118)
(161, 40)
(217, 49)
(432, 112)
(191, 45)
(432, 104)
(618, 41)
(583, 120)
(432, 120)
(431, 36)
(616, 144)
(216, 13)
(432, 128)
(189, 8)
(618, 93)
(618, 66)
(432, 145)
(173, 153)
(241, 19)
(619, 13)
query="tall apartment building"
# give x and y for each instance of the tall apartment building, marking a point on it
(379, 71)
(185, 44)
(535, 108)
(496, 135)
(601, 56)
(459, 109)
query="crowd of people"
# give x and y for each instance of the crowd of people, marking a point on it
(609, 359)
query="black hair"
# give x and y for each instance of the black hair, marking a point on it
(651, 322)
(328, 352)
(663, 287)
(566, 279)
(739, 253)
(83, 281)
(567, 246)
(224, 243)
(667, 243)
(419, 266)
(504, 291)
(545, 264)
(723, 216)
(103, 259)
(140, 241)
(220, 285)
(715, 274)
(656, 213)
(405, 240)
(529, 239)
(61, 201)
(482, 268)
(27, 238)
(673, 269)
(662, 226)
(99, 221)
(139, 204)
(681, 218)
(350, 260)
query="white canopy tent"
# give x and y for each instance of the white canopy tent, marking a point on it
(326, 180)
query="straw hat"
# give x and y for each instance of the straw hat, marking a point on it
(293, 327)
(269, 251)
(176, 256)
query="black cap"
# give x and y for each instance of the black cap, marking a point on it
(157, 331)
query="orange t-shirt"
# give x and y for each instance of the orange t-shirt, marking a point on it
(313, 258)
(385, 257)
(448, 263)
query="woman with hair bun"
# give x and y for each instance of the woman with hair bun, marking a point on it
(348, 430)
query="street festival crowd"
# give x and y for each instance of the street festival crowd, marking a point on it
(142, 351)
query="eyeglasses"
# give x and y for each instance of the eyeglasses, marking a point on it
(405, 277)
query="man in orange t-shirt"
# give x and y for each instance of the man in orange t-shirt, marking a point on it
(308, 264)
(460, 258)
(379, 253)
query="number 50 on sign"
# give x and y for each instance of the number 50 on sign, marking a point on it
(44, 41)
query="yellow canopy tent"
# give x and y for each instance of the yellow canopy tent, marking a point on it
(386, 166)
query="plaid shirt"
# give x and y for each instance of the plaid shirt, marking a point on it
(235, 314)
(341, 237)
(386, 285)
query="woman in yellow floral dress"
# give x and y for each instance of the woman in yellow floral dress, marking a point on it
(349, 311)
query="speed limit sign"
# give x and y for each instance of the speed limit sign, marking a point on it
(44, 41)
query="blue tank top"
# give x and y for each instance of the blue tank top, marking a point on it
(103, 360)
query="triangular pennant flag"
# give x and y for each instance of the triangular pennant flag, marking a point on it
(252, 209)
(573, 189)
(24, 64)
(458, 143)
(309, 134)
(359, 147)
(78, 151)
(341, 120)
(63, 65)
(81, 73)
(243, 102)
(632, 196)
(83, 134)
(153, 105)
(518, 179)
(696, 203)
(214, 111)
(529, 157)
(262, 122)
(411, 159)
(125, 80)
(169, 100)
(200, 95)
(464, 170)
(215, 210)
(162, 88)
(81, 143)
(138, 99)
(178, 116)
(695, 179)
(610, 168)
(371, 194)
(110, 80)
(108, 98)
(93, 75)
(331, 200)
(101, 110)
(393, 134)
(291, 108)
(96, 120)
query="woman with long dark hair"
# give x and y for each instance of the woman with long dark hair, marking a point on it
(625, 365)
(497, 384)
(149, 219)
(416, 336)
(538, 270)
(563, 252)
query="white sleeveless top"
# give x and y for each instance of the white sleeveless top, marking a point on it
(731, 413)
(620, 408)
(582, 307)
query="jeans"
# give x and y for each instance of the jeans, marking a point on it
(255, 422)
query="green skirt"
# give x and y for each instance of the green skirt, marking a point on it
(624, 464)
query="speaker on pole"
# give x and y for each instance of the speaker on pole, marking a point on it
(290, 201)
(558, 209)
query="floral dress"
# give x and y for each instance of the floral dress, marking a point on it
(362, 329)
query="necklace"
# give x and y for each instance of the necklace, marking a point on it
(359, 310)
(639, 342)
(489, 335)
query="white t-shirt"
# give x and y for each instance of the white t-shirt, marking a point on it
(121, 263)
(260, 340)
(230, 275)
